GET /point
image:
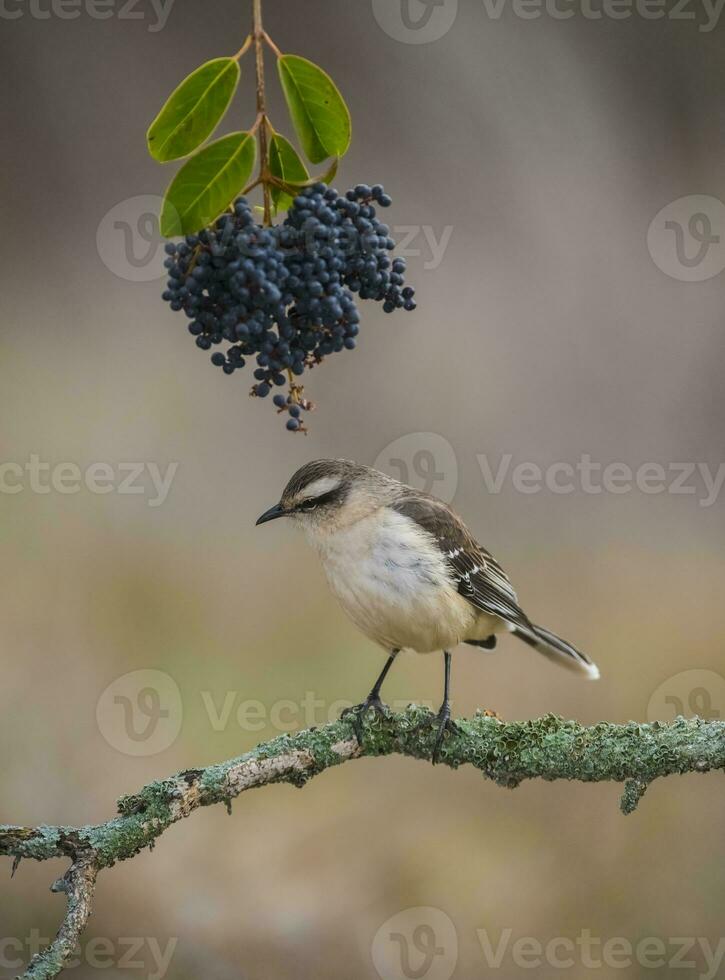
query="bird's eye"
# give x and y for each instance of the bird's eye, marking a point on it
(312, 503)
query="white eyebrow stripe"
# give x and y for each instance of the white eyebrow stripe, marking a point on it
(316, 489)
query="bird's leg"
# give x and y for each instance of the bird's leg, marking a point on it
(442, 721)
(444, 715)
(373, 700)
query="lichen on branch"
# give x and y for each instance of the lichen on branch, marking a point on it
(505, 752)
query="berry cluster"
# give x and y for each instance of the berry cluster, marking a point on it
(285, 294)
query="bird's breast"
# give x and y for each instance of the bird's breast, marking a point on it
(393, 582)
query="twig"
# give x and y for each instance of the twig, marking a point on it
(258, 33)
(78, 885)
(507, 753)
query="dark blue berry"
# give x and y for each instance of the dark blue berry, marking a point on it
(286, 295)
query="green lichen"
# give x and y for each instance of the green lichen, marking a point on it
(507, 753)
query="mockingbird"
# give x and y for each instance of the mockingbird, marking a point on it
(408, 572)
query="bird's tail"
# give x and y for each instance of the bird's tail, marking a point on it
(558, 650)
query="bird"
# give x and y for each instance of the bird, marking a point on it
(409, 574)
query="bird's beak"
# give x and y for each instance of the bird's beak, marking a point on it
(272, 514)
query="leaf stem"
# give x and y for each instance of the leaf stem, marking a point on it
(244, 48)
(258, 35)
(272, 45)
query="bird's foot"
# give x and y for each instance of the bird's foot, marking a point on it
(357, 712)
(441, 723)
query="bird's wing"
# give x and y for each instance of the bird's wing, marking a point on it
(480, 579)
(476, 574)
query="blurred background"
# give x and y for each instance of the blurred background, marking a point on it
(569, 308)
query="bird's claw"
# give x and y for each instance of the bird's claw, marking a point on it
(356, 713)
(443, 723)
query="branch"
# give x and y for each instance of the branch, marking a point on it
(78, 884)
(507, 753)
(260, 35)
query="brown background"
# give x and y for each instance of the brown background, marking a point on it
(546, 332)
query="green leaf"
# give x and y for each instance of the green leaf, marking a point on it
(285, 164)
(193, 110)
(207, 184)
(320, 116)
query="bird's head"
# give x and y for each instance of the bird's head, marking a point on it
(331, 493)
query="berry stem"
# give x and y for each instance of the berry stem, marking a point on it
(258, 34)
